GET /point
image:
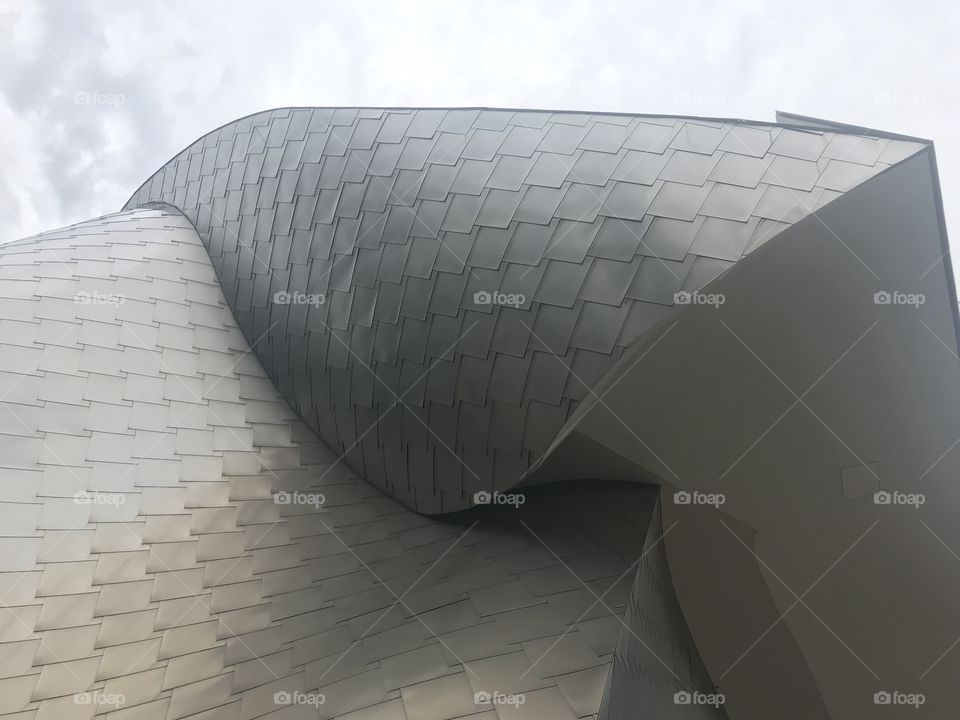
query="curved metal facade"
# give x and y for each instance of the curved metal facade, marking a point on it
(156, 563)
(440, 300)
(480, 271)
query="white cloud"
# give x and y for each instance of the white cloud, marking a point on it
(27, 193)
(184, 67)
(22, 25)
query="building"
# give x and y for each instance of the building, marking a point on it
(393, 413)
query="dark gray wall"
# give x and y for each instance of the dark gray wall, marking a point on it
(656, 656)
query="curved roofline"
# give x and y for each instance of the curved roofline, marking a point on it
(793, 121)
(801, 123)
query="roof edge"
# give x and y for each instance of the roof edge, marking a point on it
(783, 119)
(788, 118)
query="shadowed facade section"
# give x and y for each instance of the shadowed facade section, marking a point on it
(640, 676)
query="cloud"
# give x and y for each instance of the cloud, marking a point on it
(153, 77)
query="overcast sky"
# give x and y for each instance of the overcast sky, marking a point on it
(95, 96)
